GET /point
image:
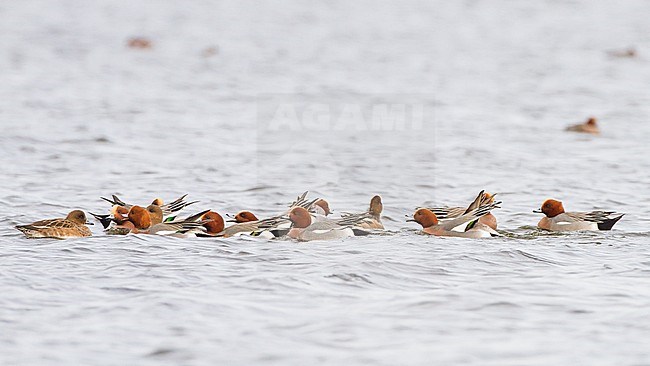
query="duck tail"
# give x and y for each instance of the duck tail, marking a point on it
(609, 223)
(278, 232)
(104, 219)
(360, 232)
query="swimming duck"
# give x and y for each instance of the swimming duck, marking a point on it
(590, 126)
(304, 229)
(370, 219)
(72, 226)
(556, 219)
(432, 225)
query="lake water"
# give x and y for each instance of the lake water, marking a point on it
(487, 86)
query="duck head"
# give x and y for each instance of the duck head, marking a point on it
(140, 217)
(321, 207)
(551, 208)
(156, 214)
(78, 217)
(300, 217)
(213, 222)
(376, 207)
(425, 217)
(244, 216)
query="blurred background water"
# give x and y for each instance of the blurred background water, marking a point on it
(82, 115)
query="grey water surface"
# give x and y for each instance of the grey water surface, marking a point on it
(488, 86)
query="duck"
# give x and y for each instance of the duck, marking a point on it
(370, 219)
(72, 226)
(139, 42)
(320, 207)
(629, 52)
(149, 220)
(590, 126)
(487, 222)
(246, 223)
(556, 219)
(304, 229)
(212, 222)
(176, 226)
(432, 225)
(244, 216)
(139, 220)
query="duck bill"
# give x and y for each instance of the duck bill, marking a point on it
(89, 223)
(410, 220)
(539, 210)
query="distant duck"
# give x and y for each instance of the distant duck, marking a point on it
(72, 226)
(624, 53)
(139, 42)
(590, 126)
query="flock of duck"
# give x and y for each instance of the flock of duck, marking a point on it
(306, 220)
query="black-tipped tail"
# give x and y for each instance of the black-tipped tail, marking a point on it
(360, 232)
(104, 219)
(278, 233)
(609, 223)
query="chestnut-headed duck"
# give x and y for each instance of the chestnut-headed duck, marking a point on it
(303, 228)
(125, 220)
(431, 225)
(204, 224)
(245, 223)
(487, 222)
(72, 226)
(320, 207)
(140, 218)
(244, 216)
(213, 224)
(556, 219)
(370, 219)
(590, 126)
